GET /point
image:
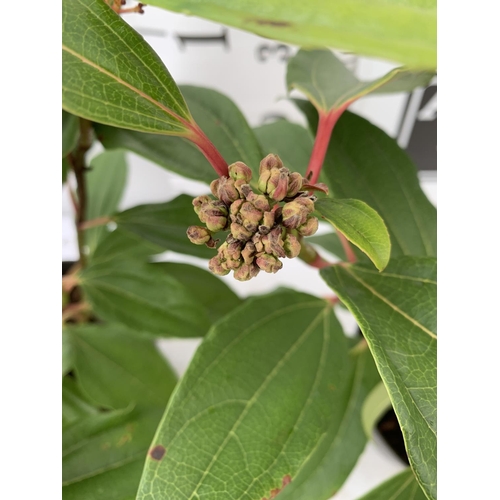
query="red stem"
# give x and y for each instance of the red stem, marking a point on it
(349, 252)
(319, 262)
(210, 152)
(325, 127)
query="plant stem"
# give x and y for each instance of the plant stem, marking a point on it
(309, 255)
(210, 152)
(325, 127)
(98, 221)
(77, 160)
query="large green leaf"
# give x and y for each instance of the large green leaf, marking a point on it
(364, 163)
(111, 75)
(291, 142)
(165, 225)
(209, 290)
(403, 31)
(361, 225)
(400, 487)
(220, 119)
(330, 86)
(70, 132)
(396, 310)
(105, 184)
(115, 368)
(103, 455)
(143, 299)
(265, 396)
(377, 403)
(75, 404)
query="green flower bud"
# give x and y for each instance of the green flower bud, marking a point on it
(214, 187)
(248, 253)
(295, 181)
(269, 162)
(309, 228)
(259, 201)
(234, 250)
(268, 263)
(257, 241)
(214, 215)
(239, 171)
(239, 232)
(291, 246)
(263, 180)
(246, 272)
(275, 242)
(225, 190)
(250, 213)
(215, 266)
(267, 222)
(198, 235)
(295, 212)
(198, 204)
(277, 187)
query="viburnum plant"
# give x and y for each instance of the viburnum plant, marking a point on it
(277, 400)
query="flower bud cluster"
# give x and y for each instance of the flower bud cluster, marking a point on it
(265, 226)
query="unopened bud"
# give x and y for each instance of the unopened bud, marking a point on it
(225, 190)
(269, 162)
(214, 215)
(214, 187)
(277, 187)
(239, 232)
(294, 214)
(250, 213)
(295, 181)
(198, 204)
(246, 272)
(234, 250)
(263, 180)
(269, 263)
(198, 235)
(239, 171)
(276, 243)
(267, 222)
(248, 253)
(309, 228)
(259, 201)
(257, 241)
(215, 266)
(291, 246)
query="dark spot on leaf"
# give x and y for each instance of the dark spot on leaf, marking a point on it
(273, 23)
(274, 493)
(157, 452)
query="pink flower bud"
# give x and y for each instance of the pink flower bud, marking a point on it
(226, 190)
(309, 228)
(269, 162)
(215, 266)
(250, 213)
(257, 241)
(239, 171)
(295, 181)
(239, 232)
(248, 253)
(291, 246)
(198, 204)
(198, 235)
(268, 263)
(259, 201)
(277, 187)
(246, 272)
(214, 187)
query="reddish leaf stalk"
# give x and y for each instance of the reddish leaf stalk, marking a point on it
(349, 252)
(325, 127)
(210, 152)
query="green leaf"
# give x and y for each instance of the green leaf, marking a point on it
(400, 487)
(111, 75)
(70, 132)
(208, 290)
(291, 142)
(330, 86)
(68, 359)
(103, 455)
(325, 473)
(65, 169)
(105, 184)
(75, 405)
(364, 163)
(143, 299)
(376, 405)
(361, 225)
(265, 395)
(115, 368)
(403, 31)
(165, 225)
(396, 311)
(220, 119)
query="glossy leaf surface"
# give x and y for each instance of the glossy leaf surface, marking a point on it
(361, 225)
(70, 131)
(264, 396)
(105, 184)
(400, 487)
(209, 290)
(396, 311)
(143, 299)
(329, 85)
(165, 225)
(364, 163)
(111, 75)
(403, 31)
(115, 368)
(220, 119)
